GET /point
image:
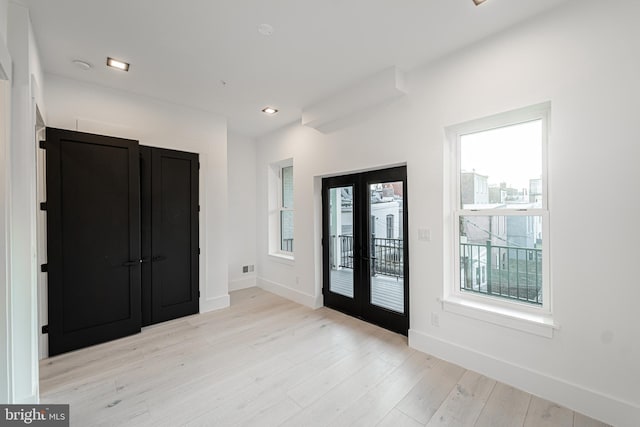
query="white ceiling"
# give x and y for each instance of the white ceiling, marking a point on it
(181, 50)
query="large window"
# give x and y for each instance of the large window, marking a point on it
(500, 208)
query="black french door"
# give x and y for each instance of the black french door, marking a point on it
(365, 255)
(170, 249)
(93, 239)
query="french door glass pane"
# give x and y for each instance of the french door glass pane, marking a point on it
(341, 248)
(386, 246)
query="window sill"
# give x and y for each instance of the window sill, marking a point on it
(536, 324)
(282, 258)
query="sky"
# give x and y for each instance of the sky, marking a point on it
(510, 154)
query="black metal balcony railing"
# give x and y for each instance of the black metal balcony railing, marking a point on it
(387, 255)
(503, 271)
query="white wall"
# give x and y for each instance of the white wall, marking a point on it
(90, 108)
(241, 163)
(583, 59)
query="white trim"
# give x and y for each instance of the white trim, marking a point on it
(244, 283)
(281, 208)
(289, 293)
(597, 405)
(275, 209)
(283, 258)
(216, 303)
(6, 364)
(509, 317)
(507, 118)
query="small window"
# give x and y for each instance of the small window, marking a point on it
(500, 208)
(281, 212)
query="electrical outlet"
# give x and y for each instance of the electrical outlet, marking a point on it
(424, 234)
(245, 268)
(435, 320)
(251, 268)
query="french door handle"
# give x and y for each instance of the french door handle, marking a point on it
(158, 258)
(131, 263)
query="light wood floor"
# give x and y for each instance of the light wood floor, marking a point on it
(266, 361)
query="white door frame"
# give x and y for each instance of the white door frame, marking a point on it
(6, 365)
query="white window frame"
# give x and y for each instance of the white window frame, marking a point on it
(520, 315)
(276, 208)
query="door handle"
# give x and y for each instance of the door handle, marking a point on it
(158, 258)
(131, 263)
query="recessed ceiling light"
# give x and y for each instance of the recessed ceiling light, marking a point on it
(478, 2)
(269, 110)
(265, 29)
(83, 65)
(120, 65)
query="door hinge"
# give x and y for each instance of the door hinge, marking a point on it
(43, 145)
(43, 206)
(45, 329)
(44, 268)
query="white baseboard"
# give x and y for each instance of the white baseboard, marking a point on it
(588, 402)
(214, 303)
(288, 293)
(244, 283)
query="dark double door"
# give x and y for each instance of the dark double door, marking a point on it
(365, 258)
(169, 218)
(122, 237)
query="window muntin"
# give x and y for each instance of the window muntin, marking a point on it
(500, 209)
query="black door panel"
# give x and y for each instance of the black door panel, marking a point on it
(93, 239)
(172, 266)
